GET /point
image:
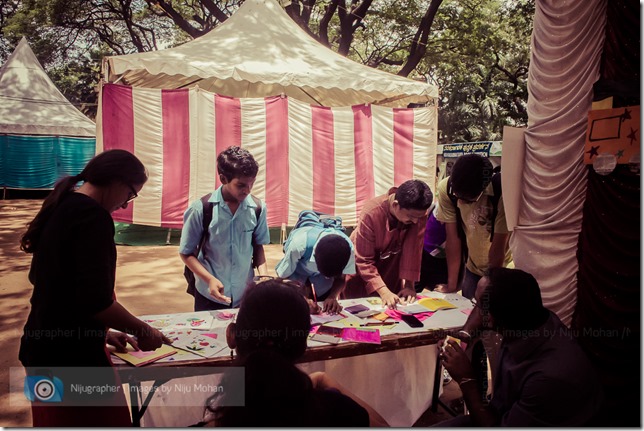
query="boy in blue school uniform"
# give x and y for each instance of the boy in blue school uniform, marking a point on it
(323, 263)
(234, 245)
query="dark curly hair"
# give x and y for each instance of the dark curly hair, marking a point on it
(236, 162)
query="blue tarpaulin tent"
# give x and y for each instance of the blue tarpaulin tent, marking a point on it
(43, 137)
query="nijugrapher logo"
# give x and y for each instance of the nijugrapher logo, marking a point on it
(45, 389)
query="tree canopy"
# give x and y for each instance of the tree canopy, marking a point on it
(476, 51)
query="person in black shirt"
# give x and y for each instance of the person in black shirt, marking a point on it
(73, 302)
(269, 335)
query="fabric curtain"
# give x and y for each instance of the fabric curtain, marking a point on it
(37, 162)
(567, 42)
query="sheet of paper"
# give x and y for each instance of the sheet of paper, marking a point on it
(203, 343)
(371, 336)
(412, 308)
(446, 319)
(140, 357)
(434, 304)
(182, 321)
(322, 318)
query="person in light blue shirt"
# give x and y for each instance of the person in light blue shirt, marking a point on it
(234, 242)
(322, 262)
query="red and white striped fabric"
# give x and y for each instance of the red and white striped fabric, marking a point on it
(310, 157)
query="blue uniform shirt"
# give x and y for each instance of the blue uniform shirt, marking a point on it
(293, 267)
(229, 249)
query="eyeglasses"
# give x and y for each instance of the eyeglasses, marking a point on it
(299, 287)
(469, 200)
(132, 195)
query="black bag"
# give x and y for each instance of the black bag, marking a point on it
(207, 218)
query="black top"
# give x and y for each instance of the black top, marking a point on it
(73, 273)
(338, 410)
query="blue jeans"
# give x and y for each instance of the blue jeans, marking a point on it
(468, 285)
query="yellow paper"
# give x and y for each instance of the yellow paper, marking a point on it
(138, 358)
(435, 304)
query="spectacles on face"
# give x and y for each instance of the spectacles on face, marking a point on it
(466, 199)
(131, 196)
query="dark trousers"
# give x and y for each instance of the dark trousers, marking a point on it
(204, 304)
(433, 271)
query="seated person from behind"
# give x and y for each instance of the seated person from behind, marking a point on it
(543, 377)
(269, 335)
(322, 264)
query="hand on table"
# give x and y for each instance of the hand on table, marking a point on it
(120, 341)
(407, 295)
(151, 339)
(331, 305)
(216, 290)
(389, 299)
(444, 288)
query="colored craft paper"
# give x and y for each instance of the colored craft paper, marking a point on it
(371, 336)
(412, 308)
(613, 131)
(322, 318)
(206, 344)
(140, 357)
(395, 314)
(169, 322)
(435, 304)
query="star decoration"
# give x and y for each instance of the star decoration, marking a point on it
(619, 154)
(632, 136)
(593, 151)
(626, 115)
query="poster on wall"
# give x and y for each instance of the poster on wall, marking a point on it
(613, 132)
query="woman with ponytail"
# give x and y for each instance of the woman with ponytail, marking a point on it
(73, 303)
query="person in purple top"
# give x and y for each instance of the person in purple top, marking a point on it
(433, 270)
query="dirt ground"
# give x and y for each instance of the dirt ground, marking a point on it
(149, 280)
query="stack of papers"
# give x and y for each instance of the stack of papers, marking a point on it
(140, 357)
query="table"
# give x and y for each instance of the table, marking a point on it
(397, 377)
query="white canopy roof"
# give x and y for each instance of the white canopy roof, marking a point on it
(30, 103)
(260, 51)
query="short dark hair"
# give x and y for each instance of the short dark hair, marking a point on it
(471, 173)
(513, 298)
(414, 194)
(273, 316)
(332, 253)
(236, 162)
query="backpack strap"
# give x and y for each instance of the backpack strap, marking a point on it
(207, 218)
(496, 188)
(258, 208)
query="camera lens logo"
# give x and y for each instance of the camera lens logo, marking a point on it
(44, 389)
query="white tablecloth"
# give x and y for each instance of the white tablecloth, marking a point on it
(397, 384)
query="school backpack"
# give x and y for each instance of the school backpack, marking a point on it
(319, 222)
(205, 222)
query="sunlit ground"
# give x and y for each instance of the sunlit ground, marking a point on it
(149, 281)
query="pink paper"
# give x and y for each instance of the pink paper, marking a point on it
(361, 336)
(211, 335)
(395, 314)
(467, 311)
(141, 354)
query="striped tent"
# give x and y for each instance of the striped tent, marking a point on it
(328, 159)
